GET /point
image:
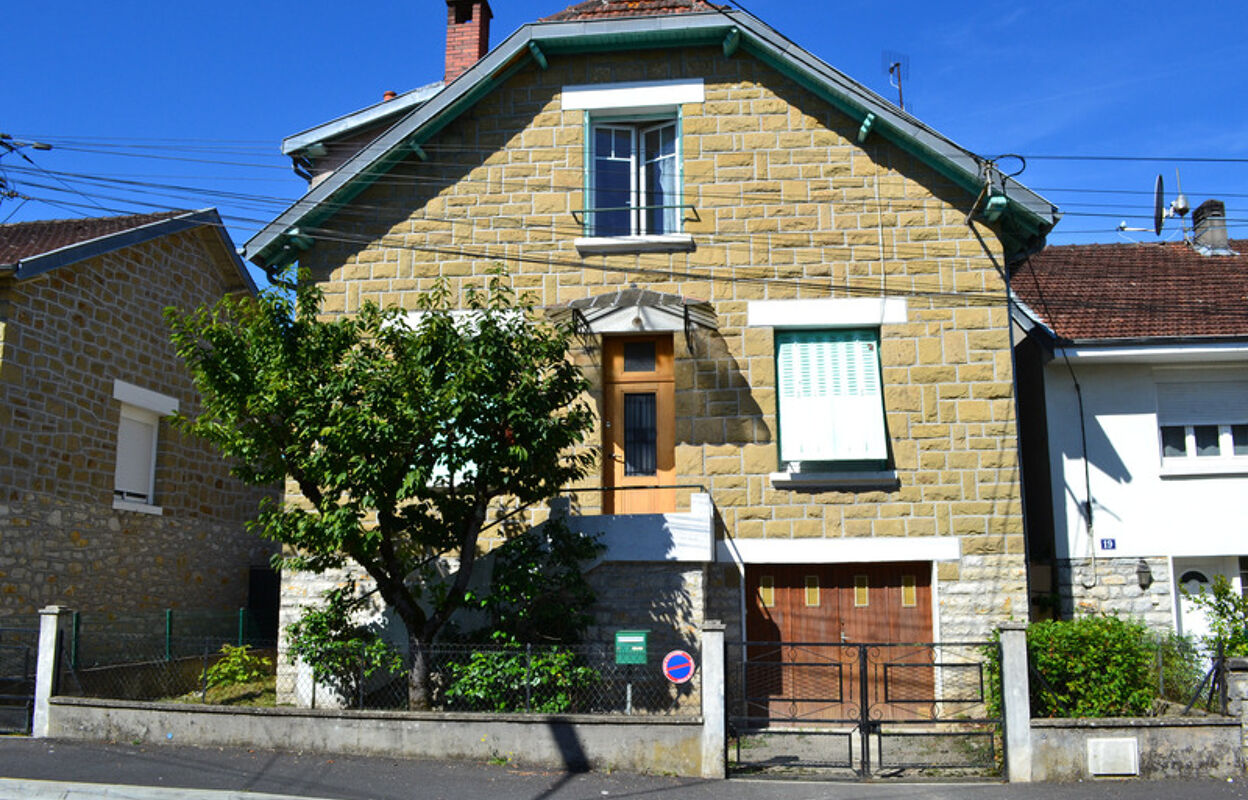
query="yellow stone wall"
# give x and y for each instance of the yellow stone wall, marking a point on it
(67, 334)
(788, 205)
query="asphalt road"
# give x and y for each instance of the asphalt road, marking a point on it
(169, 768)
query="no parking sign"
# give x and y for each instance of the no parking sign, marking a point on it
(678, 666)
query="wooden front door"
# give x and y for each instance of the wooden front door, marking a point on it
(821, 617)
(639, 425)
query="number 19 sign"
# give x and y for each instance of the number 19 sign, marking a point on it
(678, 666)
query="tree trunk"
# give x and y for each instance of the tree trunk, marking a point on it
(419, 692)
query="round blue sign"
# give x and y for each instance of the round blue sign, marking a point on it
(678, 666)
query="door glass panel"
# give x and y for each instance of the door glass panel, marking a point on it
(861, 591)
(812, 591)
(909, 591)
(639, 357)
(640, 435)
(767, 590)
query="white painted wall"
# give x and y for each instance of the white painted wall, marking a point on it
(1143, 511)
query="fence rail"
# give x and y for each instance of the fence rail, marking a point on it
(516, 678)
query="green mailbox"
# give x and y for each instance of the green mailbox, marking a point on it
(630, 647)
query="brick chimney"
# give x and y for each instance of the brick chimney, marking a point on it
(467, 35)
(1209, 228)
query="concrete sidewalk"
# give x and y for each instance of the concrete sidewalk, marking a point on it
(39, 769)
(21, 789)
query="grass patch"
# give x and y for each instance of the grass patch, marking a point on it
(253, 693)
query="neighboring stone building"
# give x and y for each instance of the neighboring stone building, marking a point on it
(104, 506)
(1134, 396)
(791, 296)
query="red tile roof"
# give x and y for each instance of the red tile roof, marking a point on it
(599, 9)
(21, 240)
(1137, 291)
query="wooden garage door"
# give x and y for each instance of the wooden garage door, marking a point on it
(819, 615)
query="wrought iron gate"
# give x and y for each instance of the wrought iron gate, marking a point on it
(18, 648)
(863, 710)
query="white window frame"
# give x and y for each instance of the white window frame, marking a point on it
(1193, 404)
(144, 407)
(638, 162)
(639, 107)
(841, 422)
(832, 314)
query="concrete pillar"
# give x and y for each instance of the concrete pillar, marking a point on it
(46, 667)
(1237, 691)
(1016, 691)
(714, 721)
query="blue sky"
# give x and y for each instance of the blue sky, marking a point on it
(198, 95)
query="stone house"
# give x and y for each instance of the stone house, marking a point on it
(791, 299)
(1133, 389)
(103, 506)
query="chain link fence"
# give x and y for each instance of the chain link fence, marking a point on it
(517, 678)
(152, 658)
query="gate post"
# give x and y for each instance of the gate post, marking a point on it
(1016, 698)
(46, 666)
(714, 721)
(1237, 680)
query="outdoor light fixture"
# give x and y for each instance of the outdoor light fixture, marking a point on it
(1143, 574)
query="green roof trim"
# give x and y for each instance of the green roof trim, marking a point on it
(1021, 226)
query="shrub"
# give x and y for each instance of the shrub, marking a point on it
(339, 651)
(495, 680)
(1096, 666)
(238, 666)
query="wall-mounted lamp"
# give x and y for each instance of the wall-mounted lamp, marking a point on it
(1143, 574)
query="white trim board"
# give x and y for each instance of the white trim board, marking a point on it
(632, 94)
(853, 312)
(139, 397)
(839, 551)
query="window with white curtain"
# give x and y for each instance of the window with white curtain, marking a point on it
(138, 433)
(830, 400)
(1203, 423)
(634, 180)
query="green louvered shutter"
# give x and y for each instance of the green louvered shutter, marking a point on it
(831, 402)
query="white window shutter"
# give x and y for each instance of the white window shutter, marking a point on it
(1202, 403)
(831, 402)
(136, 455)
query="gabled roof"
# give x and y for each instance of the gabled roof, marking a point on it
(31, 248)
(1107, 293)
(376, 114)
(599, 9)
(1026, 218)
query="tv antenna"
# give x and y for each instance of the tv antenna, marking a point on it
(1178, 206)
(897, 65)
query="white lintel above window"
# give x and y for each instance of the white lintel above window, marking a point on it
(157, 403)
(853, 312)
(633, 96)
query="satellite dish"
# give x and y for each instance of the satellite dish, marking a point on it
(1159, 211)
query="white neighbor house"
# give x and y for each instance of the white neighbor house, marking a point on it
(1146, 345)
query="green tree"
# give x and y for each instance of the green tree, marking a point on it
(1227, 613)
(400, 435)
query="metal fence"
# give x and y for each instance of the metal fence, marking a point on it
(97, 638)
(158, 666)
(519, 678)
(18, 654)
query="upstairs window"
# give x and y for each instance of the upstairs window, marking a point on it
(1203, 426)
(138, 432)
(634, 179)
(831, 402)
